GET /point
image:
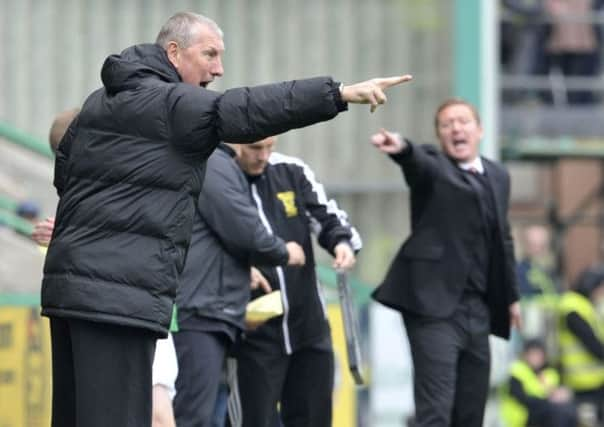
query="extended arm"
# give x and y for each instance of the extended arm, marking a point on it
(226, 207)
(417, 165)
(249, 114)
(329, 222)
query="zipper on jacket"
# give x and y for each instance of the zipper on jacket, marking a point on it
(280, 274)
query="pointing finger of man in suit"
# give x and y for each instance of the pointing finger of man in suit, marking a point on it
(388, 142)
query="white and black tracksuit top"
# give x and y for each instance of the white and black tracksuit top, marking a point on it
(293, 205)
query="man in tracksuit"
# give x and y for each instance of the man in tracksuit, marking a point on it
(228, 236)
(289, 359)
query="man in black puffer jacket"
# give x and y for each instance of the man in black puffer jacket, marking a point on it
(125, 176)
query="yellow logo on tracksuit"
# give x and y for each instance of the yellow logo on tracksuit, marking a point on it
(288, 198)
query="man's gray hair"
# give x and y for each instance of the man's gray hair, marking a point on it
(181, 28)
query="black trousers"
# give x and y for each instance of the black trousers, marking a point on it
(451, 361)
(554, 415)
(101, 374)
(595, 398)
(302, 382)
(201, 357)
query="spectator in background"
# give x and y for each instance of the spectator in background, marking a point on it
(535, 272)
(28, 210)
(519, 35)
(42, 232)
(59, 127)
(533, 395)
(572, 43)
(581, 339)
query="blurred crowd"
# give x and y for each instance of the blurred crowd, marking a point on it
(555, 40)
(557, 375)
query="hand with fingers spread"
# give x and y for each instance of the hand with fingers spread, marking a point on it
(43, 231)
(371, 91)
(388, 142)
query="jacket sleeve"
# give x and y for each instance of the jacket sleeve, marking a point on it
(533, 404)
(62, 156)
(199, 118)
(418, 164)
(225, 205)
(585, 334)
(508, 245)
(328, 222)
(253, 113)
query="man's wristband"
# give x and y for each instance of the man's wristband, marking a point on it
(341, 105)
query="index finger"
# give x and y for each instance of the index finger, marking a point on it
(386, 82)
(265, 285)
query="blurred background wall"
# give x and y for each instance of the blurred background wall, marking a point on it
(52, 52)
(51, 55)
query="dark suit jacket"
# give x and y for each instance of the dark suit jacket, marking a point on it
(430, 271)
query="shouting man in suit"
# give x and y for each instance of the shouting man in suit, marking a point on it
(453, 279)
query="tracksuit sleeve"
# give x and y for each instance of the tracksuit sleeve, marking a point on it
(328, 221)
(225, 205)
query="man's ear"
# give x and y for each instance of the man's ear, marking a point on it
(173, 53)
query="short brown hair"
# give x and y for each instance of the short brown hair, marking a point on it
(59, 127)
(454, 101)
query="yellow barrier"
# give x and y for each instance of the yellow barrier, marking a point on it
(25, 388)
(25, 369)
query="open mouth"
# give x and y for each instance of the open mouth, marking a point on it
(204, 84)
(459, 142)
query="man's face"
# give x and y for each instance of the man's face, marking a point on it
(535, 357)
(253, 158)
(459, 132)
(201, 62)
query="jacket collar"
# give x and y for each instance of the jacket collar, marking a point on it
(229, 150)
(475, 164)
(127, 70)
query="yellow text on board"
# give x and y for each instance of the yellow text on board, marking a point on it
(24, 368)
